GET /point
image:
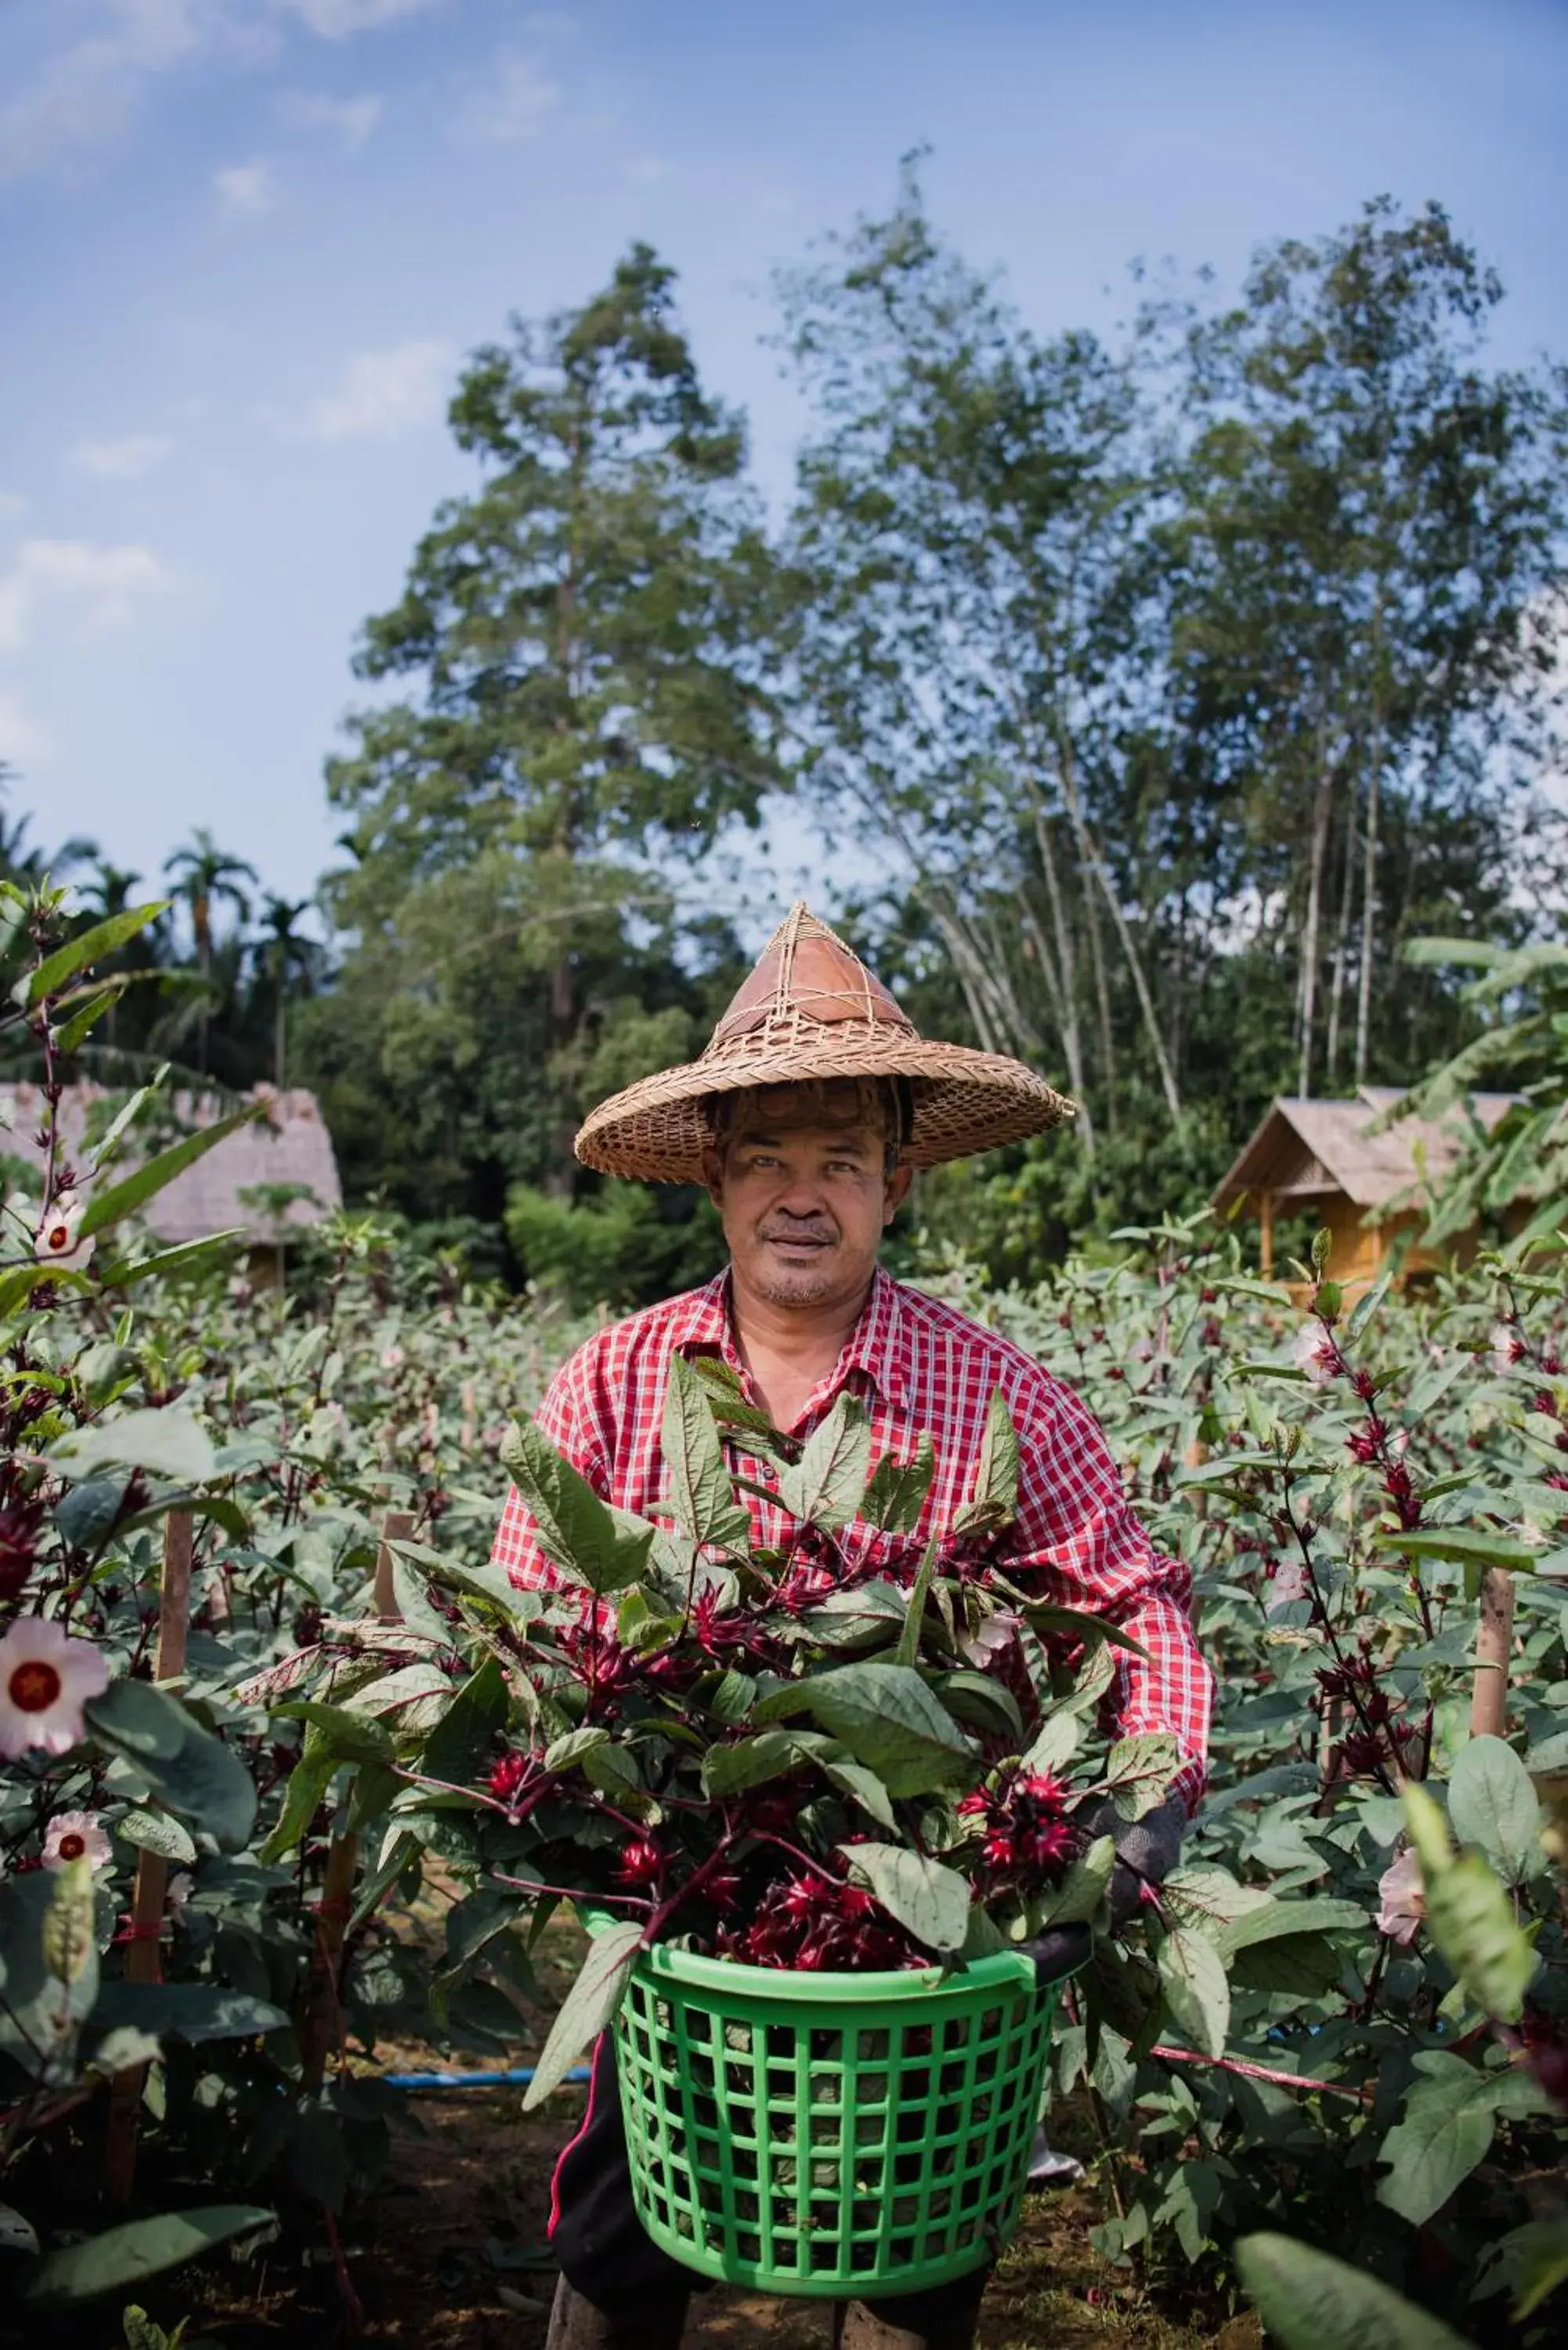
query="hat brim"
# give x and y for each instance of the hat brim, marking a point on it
(964, 1101)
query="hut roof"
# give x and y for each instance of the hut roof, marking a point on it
(1303, 1149)
(288, 1144)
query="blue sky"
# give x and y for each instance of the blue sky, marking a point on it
(248, 242)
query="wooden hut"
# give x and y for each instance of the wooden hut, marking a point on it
(1327, 1157)
(244, 1182)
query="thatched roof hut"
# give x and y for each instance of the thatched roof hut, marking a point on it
(288, 1145)
(1327, 1156)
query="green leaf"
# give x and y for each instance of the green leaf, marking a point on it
(1309, 2300)
(909, 1646)
(1445, 2130)
(1471, 1920)
(87, 947)
(1078, 1896)
(1192, 1975)
(1072, 1623)
(1469, 1914)
(193, 2012)
(1139, 1772)
(1539, 2258)
(931, 1902)
(994, 1501)
(726, 1770)
(192, 1772)
(1269, 1919)
(68, 1939)
(346, 1737)
(41, 2012)
(982, 1702)
(464, 1740)
(157, 1832)
(862, 1786)
(186, 1257)
(123, 1198)
(825, 1487)
(869, 1614)
(1493, 1804)
(1470, 1546)
(888, 1719)
(576, 1531)
(164, 1443)
(123, 2256)
(697, 1487)
(1304, 1964)
(564, 1752)
(894, 1496)
(589, 2006)
(304, 1789)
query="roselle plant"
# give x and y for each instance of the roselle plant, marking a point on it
(771, 1755)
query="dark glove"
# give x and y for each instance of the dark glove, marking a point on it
(1147, 1850)
(1059, 1950)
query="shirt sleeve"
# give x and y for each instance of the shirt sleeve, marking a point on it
(1076, 1542)
(569, 1416)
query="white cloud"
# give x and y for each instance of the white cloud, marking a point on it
(244, 191)
(351, 120)
(382, 394)
(23, 741)
(80, 100)
(102, 583)
(512, 101)
(121, 461)
(338, 20)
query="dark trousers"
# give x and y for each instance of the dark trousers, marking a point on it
(605, 2254)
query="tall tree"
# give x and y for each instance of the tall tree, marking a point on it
(583, 634)
(206, 877)
(285, 955)
(1372, 534)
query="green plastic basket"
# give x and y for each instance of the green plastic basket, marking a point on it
(840, 2135)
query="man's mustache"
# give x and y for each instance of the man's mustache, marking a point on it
(813, 1232)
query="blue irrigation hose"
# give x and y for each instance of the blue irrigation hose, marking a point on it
(516, 2079)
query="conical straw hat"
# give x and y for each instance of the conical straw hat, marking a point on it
(812, 1010)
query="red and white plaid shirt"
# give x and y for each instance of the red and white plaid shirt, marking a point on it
(919, 1366)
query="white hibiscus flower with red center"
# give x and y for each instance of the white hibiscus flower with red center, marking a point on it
(45, 1679)
(59, 1239)
(75, 1836)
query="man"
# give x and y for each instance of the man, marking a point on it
(805, 1116)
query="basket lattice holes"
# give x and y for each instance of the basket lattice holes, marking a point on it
(823, 2137)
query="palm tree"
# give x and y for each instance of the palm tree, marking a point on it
(202, 874)
(285, 954)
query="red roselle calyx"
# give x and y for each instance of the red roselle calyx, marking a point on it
(1027, 1835)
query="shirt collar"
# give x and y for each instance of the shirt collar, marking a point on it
(702, 1320)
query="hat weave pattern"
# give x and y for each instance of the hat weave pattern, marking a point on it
(812, 1010)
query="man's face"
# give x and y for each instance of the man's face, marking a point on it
(803, 1205)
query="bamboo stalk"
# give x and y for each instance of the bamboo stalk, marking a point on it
(151, 1883)
(1494, 1643)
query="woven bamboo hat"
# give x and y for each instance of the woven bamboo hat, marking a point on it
(812, 1010)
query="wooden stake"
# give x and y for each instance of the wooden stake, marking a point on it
(320, 2019)
(1494, 1644)
(152, 1885)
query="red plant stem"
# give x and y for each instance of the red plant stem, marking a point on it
(353, 2307)
(668, 1908)
(569, 1892)
(1320, 1611)
(1259, 2073)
